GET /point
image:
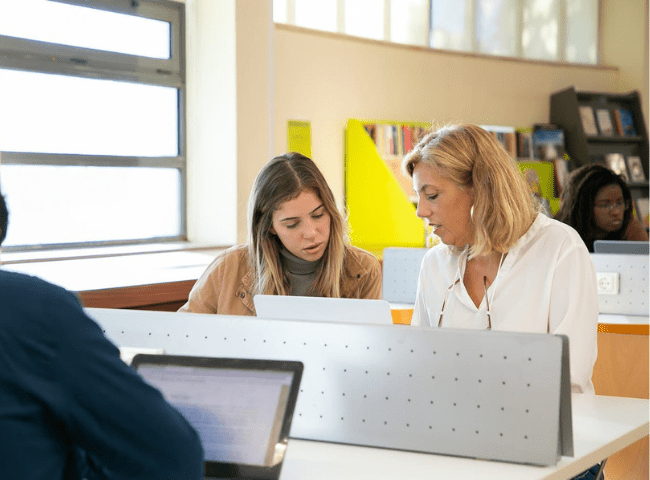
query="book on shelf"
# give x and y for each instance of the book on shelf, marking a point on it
(588, 120)
(393, 141)
(635, 168)
(524, 143)
(642, 210)
(560, 173)
(408, 138)
(548, 142)
(604, 122)
(618, 125)
(627, 121)
(390, 139)
(371, 129)
(616, 163)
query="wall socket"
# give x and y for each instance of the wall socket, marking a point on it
(607, 283)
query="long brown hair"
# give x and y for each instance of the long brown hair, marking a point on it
(282, 179)
(504, 206)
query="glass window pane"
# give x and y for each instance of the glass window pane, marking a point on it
(364, 18)
(496, 27)
(540, 29)
(280, 11)
(85, 27)
(449, 21)
(582, 31)
(105, 203)
(319, 15)
(44, 113)
(408, 22)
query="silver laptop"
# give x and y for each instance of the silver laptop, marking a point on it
(323, 309)
(242, 409)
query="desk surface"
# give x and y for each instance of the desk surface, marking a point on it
(161, 279)
(601, 426)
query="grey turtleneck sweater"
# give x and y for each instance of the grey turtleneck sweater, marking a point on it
(302, 273)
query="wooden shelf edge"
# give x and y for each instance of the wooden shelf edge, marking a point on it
(137, 296)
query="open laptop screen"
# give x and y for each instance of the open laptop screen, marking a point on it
(241, 409)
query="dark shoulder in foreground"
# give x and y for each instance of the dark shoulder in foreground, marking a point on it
(19, 287)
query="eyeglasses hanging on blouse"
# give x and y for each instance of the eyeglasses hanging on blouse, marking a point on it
(487, 301)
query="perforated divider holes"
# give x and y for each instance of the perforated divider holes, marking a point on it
(400, 273)
(633, 283)
(490, 395)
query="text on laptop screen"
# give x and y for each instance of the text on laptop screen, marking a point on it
(237, 414)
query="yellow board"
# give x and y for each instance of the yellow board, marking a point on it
(541, 181)
(555, 204)
(380, 214)
(299, 137)
(543, 171)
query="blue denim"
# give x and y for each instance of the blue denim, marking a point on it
(588, 474)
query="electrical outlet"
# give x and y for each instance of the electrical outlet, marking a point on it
(607, 283)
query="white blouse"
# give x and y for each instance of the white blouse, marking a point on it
(546, 284)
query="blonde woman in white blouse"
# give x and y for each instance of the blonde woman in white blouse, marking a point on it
(500, 263)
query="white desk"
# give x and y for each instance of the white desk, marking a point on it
(623, 319)
(601, 426)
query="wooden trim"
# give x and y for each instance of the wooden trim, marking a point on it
(138, 296)
(623, 328)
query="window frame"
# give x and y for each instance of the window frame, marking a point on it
(470, 30)
(51, 58)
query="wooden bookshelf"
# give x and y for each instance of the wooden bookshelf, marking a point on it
(589, 141)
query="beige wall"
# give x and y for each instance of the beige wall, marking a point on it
(327, 79)
(229, 112)
(624, 30)
(211, 122)
(285, 73)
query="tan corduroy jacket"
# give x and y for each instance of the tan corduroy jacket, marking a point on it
(225, 286)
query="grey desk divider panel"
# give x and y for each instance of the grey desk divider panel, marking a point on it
(628, 247)
(400, 273)
(483, 394)
(632, 297)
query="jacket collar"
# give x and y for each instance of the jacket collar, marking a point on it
(352, 266)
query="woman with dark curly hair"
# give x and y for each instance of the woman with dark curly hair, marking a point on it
(597, 203)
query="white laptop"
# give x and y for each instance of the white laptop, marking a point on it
(323, 309)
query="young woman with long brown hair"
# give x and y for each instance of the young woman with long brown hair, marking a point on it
(297, 245)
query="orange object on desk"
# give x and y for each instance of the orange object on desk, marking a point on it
(401, 316)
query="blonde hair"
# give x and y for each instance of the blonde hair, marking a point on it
(504, 205)
(282, 179)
